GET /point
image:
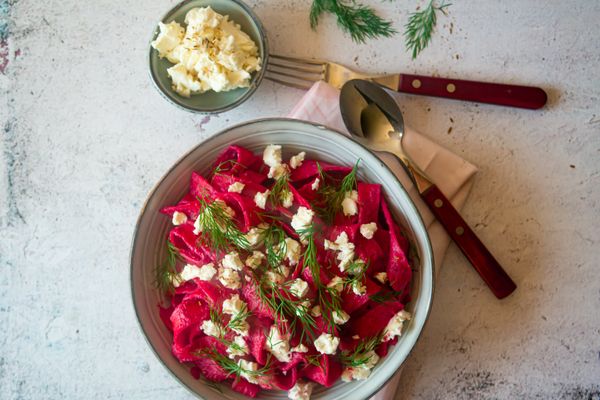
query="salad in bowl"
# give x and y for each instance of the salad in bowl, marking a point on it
(279, 272)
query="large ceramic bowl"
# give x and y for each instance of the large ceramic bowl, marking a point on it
(319, 143)
(210, 102)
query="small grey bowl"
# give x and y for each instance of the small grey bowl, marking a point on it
(210, 102)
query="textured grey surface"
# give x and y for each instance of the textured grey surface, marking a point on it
(85, 136)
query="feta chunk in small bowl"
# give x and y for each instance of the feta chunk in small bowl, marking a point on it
(208, 56)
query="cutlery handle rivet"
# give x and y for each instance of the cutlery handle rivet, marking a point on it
(438, 203)
(451, 88)
(460, 230)
(416, 83)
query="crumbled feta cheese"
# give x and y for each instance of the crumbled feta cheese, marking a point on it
(358, 288)
(272, 155)
(260, 199)
(278, 171)
(315, 184)
(345, 251)
(302, 219)
(288, 200)
(336, 283)
(211, 329)
(301, 390)
(327, 343)
(293, 251)
(285, 271)
(238, 347)
(297, 160)
(381, 277)
(236, 187)
(299, 349)
(179, 218)
(347, 375)
(229, 278)
(368, 230)
(362, 371)
(299, 288)
(340, 317)
(278, 345)
(349, 205)
(234, 305)
(232, 261)
(394, 326)
(255, 235)
(170, 36)
(212, 53)
(189, 272)
(316, 311)
(248, 370)
(207, 271)
(255, 260)
(274, 278)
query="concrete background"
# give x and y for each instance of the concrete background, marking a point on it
(85, 136)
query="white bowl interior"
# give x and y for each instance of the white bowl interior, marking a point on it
(319, 143)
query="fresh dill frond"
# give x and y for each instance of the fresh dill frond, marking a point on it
(384, 296)
(280, 191)
(221, 168)
(283, 305)
(313, 359)
(331, 304)
(165, 274)
(333, 196)
(275, 247)
(360, 355)
(309, 257)
(219, 230)
(420, 26)
(231, 367)
(237, 321)
(358, 20)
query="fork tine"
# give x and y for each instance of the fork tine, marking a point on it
(299, 60)
(295, 76)
(286, 83)
(300, 69)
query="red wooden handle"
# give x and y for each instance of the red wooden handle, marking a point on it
(482, 92)
(479, 256)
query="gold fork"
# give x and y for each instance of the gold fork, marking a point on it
(302, 73)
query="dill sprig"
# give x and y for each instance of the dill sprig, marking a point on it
(219, 231)
(332, 196)
(230, 366)
(280, 190)
(330, 303)
(237, 321)
(360, 21)
(309, 257)
(384, 296)
(275, 247)
(360, 355)
(420, 27)
(220, 169)
(284, 306)
(165, 274)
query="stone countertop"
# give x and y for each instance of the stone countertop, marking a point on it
(85, 136)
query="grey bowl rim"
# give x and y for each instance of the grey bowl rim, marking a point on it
(204, 142)
(255, 83)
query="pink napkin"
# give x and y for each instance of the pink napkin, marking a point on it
(452, 174)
